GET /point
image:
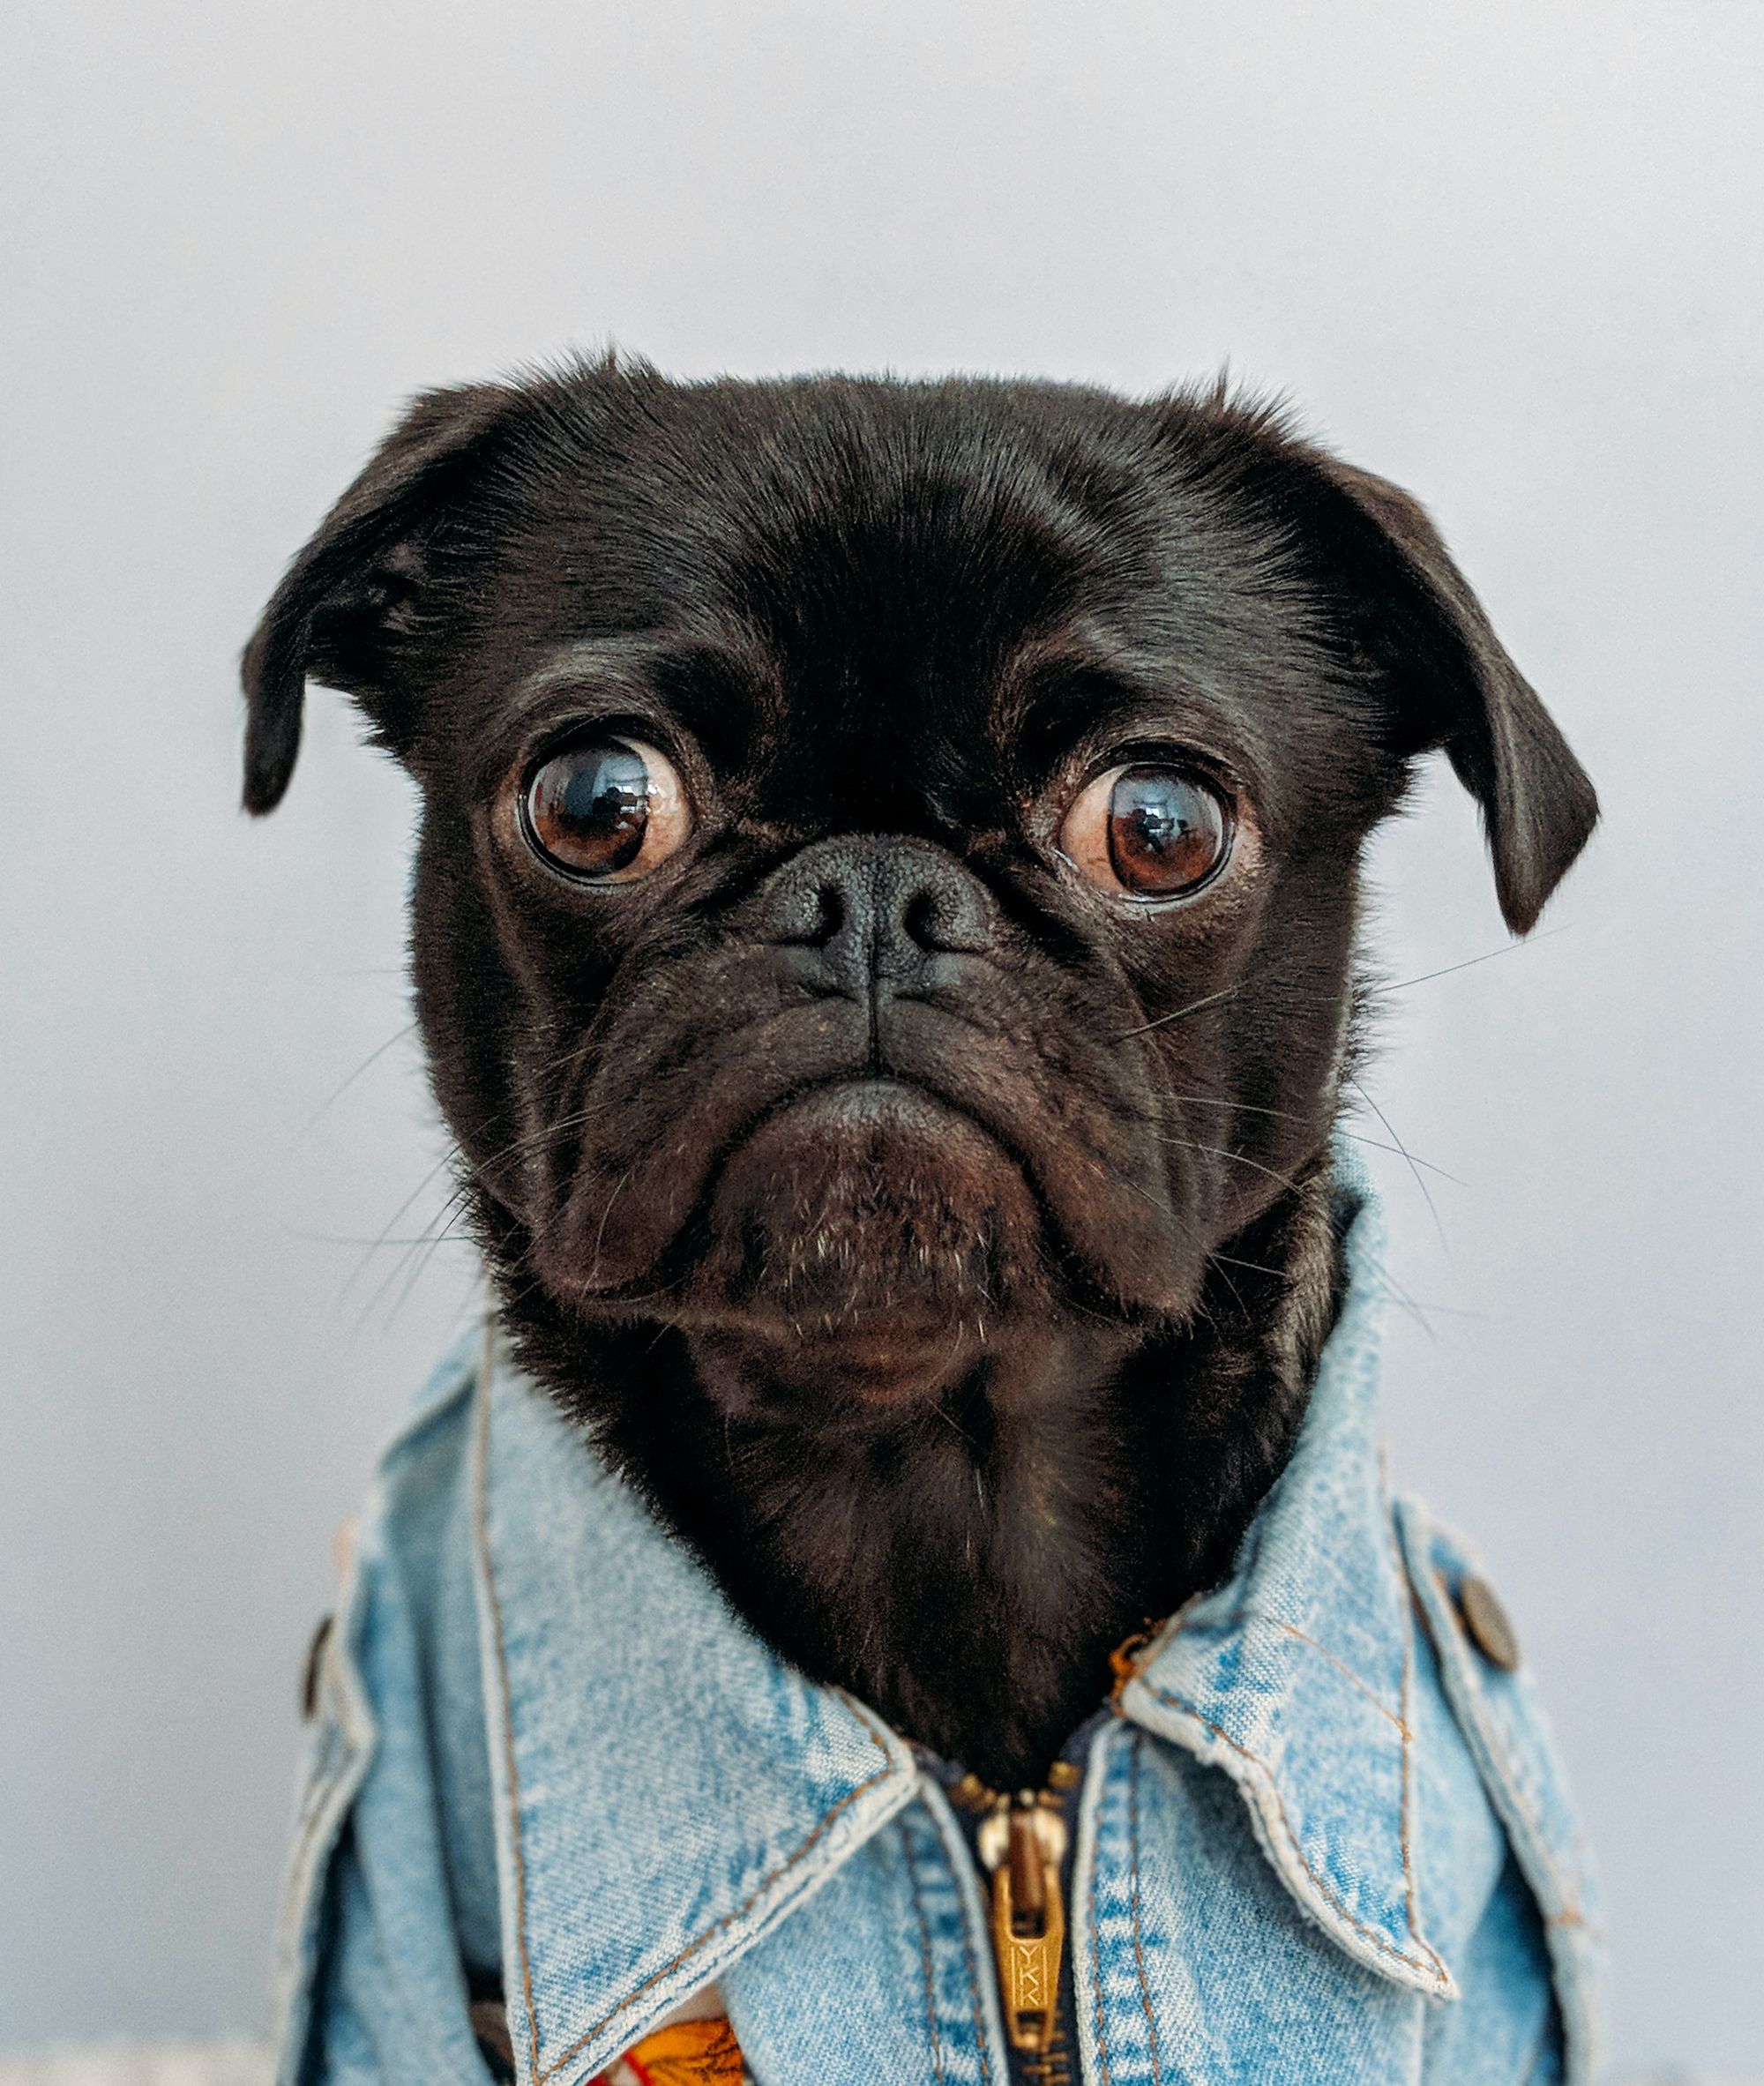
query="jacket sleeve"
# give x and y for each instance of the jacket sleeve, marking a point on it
(375, 2017)
(1505, 2029)
(391, 1889)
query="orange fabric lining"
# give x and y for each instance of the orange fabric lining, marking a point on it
(690, 2053)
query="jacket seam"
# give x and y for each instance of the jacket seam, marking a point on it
(1096, 1976)
(1376, 1939)
(924, 1951)
(1291, 1629)
(1133, 1765)
(710, 1933)
(1400, 1720)
(481, 1518)
(981, 2035)
(1406, 1612)
(1568, 1911)
(1410, 1890)
(727, 1920)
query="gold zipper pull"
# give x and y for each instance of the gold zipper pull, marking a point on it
(1023, 1844)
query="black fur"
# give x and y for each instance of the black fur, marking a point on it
(952, 1290)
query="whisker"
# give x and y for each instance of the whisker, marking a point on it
(1220, 1151)
(337, 1093)
(451, 1210)
(1469, 963)
(1285, 1115)
(1194, 1007)
(1254, 1267)
(432, 1247)
(1424, 978)
(445, 1158)
(1433, 1207)
(1403, 1301)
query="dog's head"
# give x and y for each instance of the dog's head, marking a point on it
(889, 851)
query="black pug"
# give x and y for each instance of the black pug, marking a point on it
(884, 936)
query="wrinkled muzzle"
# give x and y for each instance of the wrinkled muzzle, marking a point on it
(870, 1100)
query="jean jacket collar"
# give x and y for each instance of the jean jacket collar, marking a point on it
(642, 1736)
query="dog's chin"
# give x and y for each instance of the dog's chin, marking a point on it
(863, 1241)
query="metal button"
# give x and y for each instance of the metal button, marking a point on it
(1490, 1627)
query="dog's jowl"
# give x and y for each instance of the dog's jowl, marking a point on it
(885, 935)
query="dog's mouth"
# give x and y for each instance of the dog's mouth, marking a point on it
(863, 1235)
(925, 1174)
(871, 1214)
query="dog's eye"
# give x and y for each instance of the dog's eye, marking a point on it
(1147, 832)
(606, 810)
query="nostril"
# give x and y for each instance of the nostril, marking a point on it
(943, 919)
(807, 916)
(829, 917)
(918, 918)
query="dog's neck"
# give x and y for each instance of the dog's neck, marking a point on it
(966, 1563)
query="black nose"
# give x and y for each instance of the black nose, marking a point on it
(870, 913)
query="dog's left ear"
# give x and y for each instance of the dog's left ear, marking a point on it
(1412, 621)
(1455, 686)
(349, 611)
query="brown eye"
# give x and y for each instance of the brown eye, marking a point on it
(606, 810)
(1147, 832)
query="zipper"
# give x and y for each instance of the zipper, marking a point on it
(1022, 1843)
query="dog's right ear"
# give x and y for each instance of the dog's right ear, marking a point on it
(351, 604)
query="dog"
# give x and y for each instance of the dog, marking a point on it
(885, 935)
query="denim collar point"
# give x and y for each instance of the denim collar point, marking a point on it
(619, 1687)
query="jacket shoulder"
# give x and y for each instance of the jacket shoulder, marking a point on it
(1496, 1714)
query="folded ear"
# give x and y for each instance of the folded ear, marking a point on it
(1455, 686)
(350, 607)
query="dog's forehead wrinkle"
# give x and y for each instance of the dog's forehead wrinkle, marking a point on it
(879, 561)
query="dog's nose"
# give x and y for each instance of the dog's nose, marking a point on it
(868, 913)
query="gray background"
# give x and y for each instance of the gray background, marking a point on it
(1506, 253)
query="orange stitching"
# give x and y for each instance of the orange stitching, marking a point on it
(924, 1952)
(728, 1919)
(1174, 1629)
(1406, 1612)
(1341, 1666)
(481, 1518)
(980, 2031)
(1139, 1946)
(710, 1933)
(1411, 1891)
(1353, 1920)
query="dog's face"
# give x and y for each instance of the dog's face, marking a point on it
(887, 879)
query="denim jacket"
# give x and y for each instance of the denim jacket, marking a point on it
(1316, 1834)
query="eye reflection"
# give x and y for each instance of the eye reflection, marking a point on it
(1147, 831)
(605, 810)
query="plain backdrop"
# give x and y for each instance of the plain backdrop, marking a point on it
(1507, 253)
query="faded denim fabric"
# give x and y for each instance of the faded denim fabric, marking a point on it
(1322, 1838)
